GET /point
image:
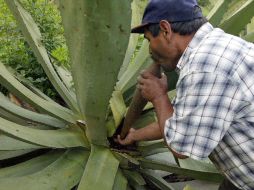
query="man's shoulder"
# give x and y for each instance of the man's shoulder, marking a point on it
(214, 51)
(219, 52)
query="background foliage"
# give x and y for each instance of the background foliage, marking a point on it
(15, 52)
(76, 140)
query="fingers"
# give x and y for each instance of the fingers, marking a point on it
(119, 140)
(122, 141)
(141, 80)
(146, 75)
(141, 86)
(132, 130)
(144, 82)
(127, 140)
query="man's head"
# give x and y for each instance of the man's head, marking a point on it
(169, 25)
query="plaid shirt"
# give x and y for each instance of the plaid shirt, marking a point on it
(214, 107)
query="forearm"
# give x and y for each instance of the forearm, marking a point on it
(150, 132)
(164, 110)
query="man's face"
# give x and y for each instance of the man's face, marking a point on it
(162, 52)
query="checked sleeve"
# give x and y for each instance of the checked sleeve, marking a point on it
(204, 109)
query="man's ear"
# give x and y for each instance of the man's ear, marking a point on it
(166, 29)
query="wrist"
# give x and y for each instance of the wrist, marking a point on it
(159, 99)
(133, 137)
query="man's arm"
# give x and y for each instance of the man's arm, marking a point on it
(155, 90)
(150, 132)
(164, 110)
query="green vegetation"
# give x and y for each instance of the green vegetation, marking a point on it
(204, 3)
(15, 51)
(70, 147)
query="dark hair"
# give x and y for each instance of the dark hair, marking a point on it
(182, 28)
(186, 28)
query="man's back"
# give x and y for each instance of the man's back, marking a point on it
(215, 95)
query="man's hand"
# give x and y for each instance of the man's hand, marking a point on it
(129, 139)
(148, 133)
(152, 87)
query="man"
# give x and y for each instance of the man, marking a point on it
(213, 112)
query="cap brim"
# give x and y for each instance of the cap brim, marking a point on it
(139, 29)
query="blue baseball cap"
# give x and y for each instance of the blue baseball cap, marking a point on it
(170, 10)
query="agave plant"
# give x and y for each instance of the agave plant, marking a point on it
(70, 147)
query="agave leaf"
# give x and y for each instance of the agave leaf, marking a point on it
(153, 147)
(61, 138)
(136, 186)
(95, 65)
(216, 14)
(33, 36)
(100, 171)
(250, 26)
(66, 77)
(118, 107)
(28, 84)
(201, 175)
(151, 152)
(126, 159)
(111, 127)
(118, 110)
(36, 91)
(239, 19)
(141, 61)
(249, 37)
(136, 181)
(158, 180)
(11, 143)
(6, 115)
(31, 166)
(197, 165)
(22, 92)
(120, 181)
(12, 154)
(152, 144)
(137, 12)
(134, 177)
(163, 157)
(145, 119)
(188, 188)
(64, 173)
(27, 115)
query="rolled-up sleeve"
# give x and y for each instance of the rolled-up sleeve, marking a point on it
(204, 109)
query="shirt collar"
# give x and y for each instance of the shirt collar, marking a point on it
(198, 37)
